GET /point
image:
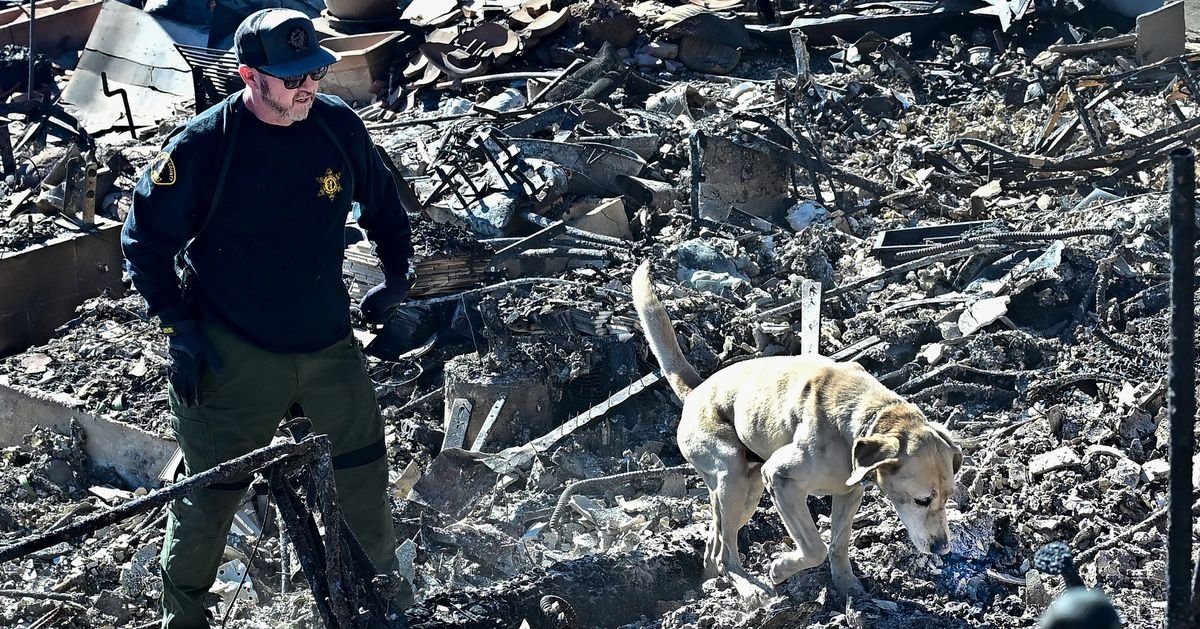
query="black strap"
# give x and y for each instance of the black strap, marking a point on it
(340, 149)
(231, 486)
(361, 456)
(230, 145)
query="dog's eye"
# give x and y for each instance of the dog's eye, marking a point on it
(923, 502)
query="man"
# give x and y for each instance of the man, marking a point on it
(236, 241)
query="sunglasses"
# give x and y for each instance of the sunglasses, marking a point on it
(292, 82)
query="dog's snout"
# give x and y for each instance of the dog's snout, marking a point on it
(939, 546)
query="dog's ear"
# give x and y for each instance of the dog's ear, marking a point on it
(949, 439)
(870, 453)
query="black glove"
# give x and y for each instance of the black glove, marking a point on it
(382, 299)
(190, 353)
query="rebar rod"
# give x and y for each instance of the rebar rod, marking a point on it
(1003, 237)
(1181, 393)
(240, 466)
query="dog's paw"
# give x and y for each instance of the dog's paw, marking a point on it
(753, 591)
(849, 586)
(790, 563)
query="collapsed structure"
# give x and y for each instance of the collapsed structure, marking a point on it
(969, 199)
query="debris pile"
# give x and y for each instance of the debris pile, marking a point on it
(970, 205)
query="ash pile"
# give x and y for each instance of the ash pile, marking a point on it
(969, 199)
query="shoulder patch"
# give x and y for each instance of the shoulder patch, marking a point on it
(162, 170)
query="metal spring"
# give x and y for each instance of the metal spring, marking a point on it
(1128, 348)
(1001, 237)
(560, 612)
(581, 485)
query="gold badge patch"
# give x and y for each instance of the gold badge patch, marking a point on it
(329, 184)
(162, 170)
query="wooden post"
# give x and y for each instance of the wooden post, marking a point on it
(810, 317)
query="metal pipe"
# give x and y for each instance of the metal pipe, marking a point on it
(1181, 395)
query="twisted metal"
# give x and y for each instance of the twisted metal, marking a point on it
(581, 485)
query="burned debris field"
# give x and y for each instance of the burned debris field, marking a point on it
(969, 199)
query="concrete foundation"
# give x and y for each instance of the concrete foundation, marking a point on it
(44, 284)
(527, 411)
(134, 454)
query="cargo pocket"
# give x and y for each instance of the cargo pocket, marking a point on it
(195, 440)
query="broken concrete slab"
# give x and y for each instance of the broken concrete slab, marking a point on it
(600, 216)
(527, 409)
(735, 176)
(1053, 460)
(134, 454)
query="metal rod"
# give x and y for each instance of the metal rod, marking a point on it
(1181, 395)
(29, 87)
(124, 101)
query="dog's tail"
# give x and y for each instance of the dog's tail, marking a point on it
(660, 333)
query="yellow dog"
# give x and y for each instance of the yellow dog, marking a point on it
(801, 426)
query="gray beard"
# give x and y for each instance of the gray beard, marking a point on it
(279, 108)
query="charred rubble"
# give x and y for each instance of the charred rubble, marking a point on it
(974, 208)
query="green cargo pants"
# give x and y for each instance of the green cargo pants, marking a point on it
(240, 411)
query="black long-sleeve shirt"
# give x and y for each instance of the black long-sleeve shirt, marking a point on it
(268, 260)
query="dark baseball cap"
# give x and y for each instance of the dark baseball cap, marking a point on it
(281, 42)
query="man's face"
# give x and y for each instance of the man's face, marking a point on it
(292, 104)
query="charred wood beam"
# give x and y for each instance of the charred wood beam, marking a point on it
(898, 270)
(542, 236)
(696, 162)
(355, 569)
(1120, 41)
(236, 468)
(1088, 125)
(581, 234)
(607, 590)
(303, 534)
(1147, 149)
